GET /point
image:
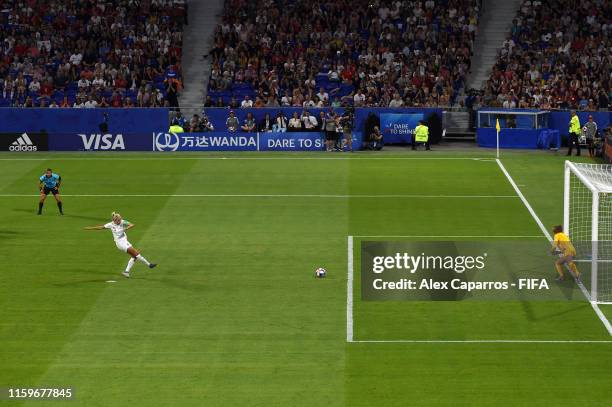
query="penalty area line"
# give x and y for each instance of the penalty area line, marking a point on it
(535, 217)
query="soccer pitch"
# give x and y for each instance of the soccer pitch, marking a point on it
(233, 316)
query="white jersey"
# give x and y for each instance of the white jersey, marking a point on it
(118, 230)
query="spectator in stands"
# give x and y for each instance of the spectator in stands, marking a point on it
(396, 101)
(171, 94)
(195, 125)
(556, 56)
(65, 102)
(280, 123)
(246, 103)
(322, 95)
(232, 122)
(208, 102)
(272, 102)
(206, 125)
(309, 122)
(296, 47)
(295, 124)
(90, 48)
(266, 123)
(249, 124)
(90, 102)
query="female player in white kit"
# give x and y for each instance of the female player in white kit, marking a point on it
(119, 226)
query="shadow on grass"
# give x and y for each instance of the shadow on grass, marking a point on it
(528, 309)
(569, 290)
(8, 234)
(48, 211)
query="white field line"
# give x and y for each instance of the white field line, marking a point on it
(451, 237)
(157, 156)
(535, 217)
(349, 292)
(482, 341)
(339, 196)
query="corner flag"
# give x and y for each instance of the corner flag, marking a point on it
(498, 128)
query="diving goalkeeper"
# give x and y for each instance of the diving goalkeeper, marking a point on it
(564, 247)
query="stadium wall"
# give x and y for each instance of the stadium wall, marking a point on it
(147, 130)
(523, 135)
(138, 129)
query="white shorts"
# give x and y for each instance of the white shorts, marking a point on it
(123, 245)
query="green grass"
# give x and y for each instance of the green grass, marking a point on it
(233, 317)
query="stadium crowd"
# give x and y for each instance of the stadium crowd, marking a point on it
(558, 55)
(86, 53)
(315, 53)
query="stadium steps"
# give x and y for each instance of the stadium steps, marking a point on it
(457, 126)
(204, 16)
(494, 27)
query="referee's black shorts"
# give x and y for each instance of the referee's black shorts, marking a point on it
(48, 191)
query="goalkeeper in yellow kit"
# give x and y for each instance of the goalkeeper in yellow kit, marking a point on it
(563, 245)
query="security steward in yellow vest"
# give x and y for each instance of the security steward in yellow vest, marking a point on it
(175, 128)
(421, 135)
(574, 133)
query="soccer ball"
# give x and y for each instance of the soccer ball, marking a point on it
(320, 272)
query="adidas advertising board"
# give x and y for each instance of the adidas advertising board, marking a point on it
(24, 142)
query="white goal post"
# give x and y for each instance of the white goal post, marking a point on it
(587, 219)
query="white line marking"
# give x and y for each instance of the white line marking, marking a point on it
(341, 196)
(449, 236)
(349, 293)
(481, 341)
(292, 158)
(111, 281)
(535, 217)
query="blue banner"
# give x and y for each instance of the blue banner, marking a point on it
(224, 141)
(509, 138)
(297, 141)
(100, 142)
(399, 127)
(213, 141)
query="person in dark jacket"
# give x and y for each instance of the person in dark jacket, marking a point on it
(266, 123)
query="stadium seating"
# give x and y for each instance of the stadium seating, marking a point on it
(90, 53)
(357, 52)
(557, 55)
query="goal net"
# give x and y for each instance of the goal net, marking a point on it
(587, 218)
